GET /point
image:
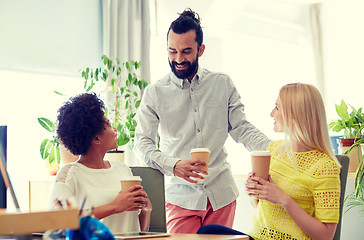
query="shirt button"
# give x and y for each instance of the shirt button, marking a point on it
(195, 109)
(204, 186)
(198, 130)
(191, 89)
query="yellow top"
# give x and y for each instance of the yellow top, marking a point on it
(314, 183)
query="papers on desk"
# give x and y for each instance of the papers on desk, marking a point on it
(28, 223)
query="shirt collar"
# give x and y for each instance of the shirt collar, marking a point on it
(179, 82)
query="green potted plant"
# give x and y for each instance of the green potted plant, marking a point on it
(120, 86)
(356, 199)
(352, 125)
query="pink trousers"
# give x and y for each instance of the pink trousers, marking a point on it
(181, 220)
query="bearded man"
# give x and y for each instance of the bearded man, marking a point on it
(190, 108)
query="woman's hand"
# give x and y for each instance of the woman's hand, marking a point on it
(144, 216)
(259, 188)
(148, 207)
(133, 199)
(250, 185)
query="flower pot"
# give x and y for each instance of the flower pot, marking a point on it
(354, 155)
(52, 168)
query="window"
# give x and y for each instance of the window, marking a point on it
(43, 46)
(260, 44)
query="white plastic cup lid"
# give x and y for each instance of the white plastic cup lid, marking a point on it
(131, 178)
(193, 150)
(260, 153)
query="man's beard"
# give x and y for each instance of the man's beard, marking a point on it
(188, 72)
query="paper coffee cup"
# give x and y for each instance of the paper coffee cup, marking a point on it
(202, 154)
(260, 163)
(128, 181)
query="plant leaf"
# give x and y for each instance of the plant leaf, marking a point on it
(58, 93)
(337, 128)
(46, 124)
(105, 59)
(137, 103)
(43, 152)
(123, 139)
(58, 154)
(342, 110)
(51, 156)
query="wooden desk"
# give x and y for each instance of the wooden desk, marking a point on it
(182, 236)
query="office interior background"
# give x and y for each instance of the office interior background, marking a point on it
(261, 44)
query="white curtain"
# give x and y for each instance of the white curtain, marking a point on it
(126, 31)
(126, 35)
(316, 35)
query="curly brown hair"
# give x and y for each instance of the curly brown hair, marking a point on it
(79, 120)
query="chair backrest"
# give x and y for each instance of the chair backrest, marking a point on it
(153, 184)
(344, 161)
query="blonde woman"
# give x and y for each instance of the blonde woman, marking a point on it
(301, 198)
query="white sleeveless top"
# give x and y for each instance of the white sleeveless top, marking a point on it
(75, 181)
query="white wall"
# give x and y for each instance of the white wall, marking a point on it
(343, 53)
(57, 37)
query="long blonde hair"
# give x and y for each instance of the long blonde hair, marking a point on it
(304, 117)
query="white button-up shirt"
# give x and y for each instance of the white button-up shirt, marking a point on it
(196, 115)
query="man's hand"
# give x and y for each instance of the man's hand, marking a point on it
(186, 169)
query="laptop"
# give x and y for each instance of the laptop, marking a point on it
(140, 235)
(6, 178)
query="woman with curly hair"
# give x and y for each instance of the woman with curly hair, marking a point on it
(84, 130)
(301, 198)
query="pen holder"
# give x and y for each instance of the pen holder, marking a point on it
(90, 228)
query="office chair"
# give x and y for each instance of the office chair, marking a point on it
(344, 161)
(153, 184)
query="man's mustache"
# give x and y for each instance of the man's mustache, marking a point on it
(180, 64)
